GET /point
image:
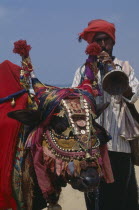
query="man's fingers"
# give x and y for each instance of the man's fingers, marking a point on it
(109, 60)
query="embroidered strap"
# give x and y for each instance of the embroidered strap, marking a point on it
(2, 100)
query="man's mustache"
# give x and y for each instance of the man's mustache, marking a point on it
(104, 49)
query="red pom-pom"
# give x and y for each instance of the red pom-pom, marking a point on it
(93, 49)
(21, 48)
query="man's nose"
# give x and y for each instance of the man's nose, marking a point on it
(102, 43)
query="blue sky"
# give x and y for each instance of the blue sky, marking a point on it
(51, 27)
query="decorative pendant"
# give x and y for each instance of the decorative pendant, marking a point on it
(82, 131)
(84, 138)
(87, 156)
(84, 142)
(81, 123)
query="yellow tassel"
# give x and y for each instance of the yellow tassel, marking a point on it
(13, 102)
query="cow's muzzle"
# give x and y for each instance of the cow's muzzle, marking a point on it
(87, 181)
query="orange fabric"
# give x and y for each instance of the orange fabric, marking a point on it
(96, 26)
(9, 129)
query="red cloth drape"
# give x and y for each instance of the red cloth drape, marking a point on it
(9, 128)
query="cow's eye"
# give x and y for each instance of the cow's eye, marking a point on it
(59, 124)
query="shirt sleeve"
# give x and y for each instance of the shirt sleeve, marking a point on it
(133, 82)
(78, 77)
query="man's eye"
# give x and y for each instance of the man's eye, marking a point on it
(107, 39)
(98, 40)
(104, 39)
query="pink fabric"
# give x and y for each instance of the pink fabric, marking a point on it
(44, 180)
(106, 165)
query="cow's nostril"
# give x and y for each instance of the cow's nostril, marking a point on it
(85, 182)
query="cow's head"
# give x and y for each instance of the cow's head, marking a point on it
(70, 141)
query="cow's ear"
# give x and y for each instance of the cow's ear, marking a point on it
(101, 108)
(25, 116)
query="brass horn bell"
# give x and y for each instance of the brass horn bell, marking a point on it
(115, 82)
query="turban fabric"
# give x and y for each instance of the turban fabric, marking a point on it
(9, 129)
(96, 26)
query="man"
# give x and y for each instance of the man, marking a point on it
(117, 120)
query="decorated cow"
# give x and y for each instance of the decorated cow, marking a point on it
(58, 141)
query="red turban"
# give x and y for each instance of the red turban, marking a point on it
(96, 26)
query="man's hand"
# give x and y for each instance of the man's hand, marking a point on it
(128, 93)
(104, 57)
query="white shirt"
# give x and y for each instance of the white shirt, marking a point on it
(116, 119)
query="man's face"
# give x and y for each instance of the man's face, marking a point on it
(105, 42)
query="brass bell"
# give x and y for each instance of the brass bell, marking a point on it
(87, 156)
(21, 72)
(13, 102)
